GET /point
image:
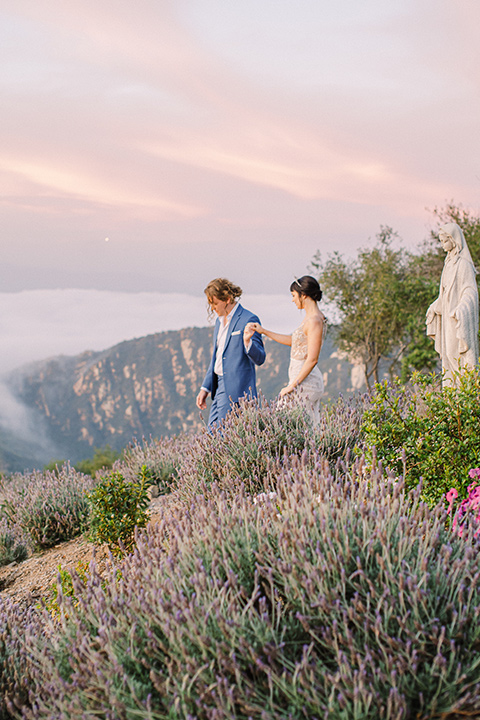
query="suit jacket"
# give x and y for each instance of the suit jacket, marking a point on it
(238, 365)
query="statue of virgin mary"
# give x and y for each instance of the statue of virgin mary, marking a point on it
(452, 320)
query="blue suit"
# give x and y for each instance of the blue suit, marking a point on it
(238, 365)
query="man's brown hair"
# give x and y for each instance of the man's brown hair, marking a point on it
(222, 289)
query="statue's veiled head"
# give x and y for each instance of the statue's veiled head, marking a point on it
(451, 237)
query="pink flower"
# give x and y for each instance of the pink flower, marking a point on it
(452, 495)
(467, 511)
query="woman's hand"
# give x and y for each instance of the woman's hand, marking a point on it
(287, 390)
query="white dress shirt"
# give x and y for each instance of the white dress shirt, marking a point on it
(221, 339)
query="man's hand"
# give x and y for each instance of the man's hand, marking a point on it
(202, 399)
(250, 329)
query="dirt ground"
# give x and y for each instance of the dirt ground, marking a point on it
(31, 580)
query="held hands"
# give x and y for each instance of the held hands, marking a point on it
(250, 329)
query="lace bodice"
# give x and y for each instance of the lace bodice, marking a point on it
(299, 344)
(299, 349)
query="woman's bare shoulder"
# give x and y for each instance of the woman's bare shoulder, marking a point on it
(316, 322)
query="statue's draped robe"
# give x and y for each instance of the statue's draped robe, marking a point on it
(452, 320)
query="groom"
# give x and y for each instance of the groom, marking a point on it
(236, 351)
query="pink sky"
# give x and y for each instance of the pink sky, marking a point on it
(226, 137)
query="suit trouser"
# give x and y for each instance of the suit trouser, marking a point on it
(221, 404)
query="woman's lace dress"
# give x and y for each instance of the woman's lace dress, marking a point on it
(311, 389)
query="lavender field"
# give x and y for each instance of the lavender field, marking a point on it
(295, 573)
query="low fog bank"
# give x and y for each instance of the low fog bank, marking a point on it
(24, 441)
(37, 324)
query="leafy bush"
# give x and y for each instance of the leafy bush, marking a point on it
(117, 507)
(427, 432)
(48, 506)
(346, 598)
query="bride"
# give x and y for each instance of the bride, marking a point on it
(304, 376)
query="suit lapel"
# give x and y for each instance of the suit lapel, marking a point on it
(233, 324)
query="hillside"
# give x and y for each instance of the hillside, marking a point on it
(137, 388)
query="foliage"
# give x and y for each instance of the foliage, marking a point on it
(382, 296)
(48, 507)
(257, 436)
(63, 587)
(246, 448)
(162, 458)
(54, 465)
(103, 458)
(13, 547)
(426, 432)
(339, 432)
(117, 507)
(353, 600)
(467, 514)
(16, 663)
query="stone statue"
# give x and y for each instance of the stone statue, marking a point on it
(452, 320)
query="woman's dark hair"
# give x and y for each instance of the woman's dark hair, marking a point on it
(307, 285)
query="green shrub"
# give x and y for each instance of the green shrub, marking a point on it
(427, 432)
(117, 507)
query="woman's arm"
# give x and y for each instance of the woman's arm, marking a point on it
(282, 339)
(314, 332)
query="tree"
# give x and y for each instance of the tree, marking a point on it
(382, 296)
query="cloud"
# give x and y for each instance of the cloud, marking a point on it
(166, 126)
